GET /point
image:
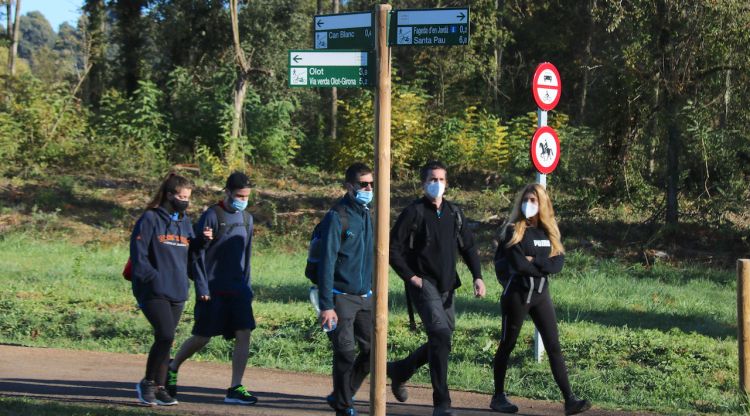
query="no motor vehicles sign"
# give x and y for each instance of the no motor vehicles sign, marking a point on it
(546, 86)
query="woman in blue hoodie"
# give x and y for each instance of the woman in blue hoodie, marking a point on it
(159, 254)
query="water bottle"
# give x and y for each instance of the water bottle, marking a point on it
(314, 300)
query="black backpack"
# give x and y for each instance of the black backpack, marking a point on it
(221, 217)
(314, 250)
(418, 221)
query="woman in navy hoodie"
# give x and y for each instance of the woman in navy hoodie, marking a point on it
(159, 254)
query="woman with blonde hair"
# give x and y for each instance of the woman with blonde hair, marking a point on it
(530, 243)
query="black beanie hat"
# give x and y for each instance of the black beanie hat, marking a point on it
(237, 180)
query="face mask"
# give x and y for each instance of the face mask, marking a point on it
(435, 189)
(363, 197)
(180, 206)
(239, 205)
(529, 209)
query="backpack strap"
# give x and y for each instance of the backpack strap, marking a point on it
(343, 217)
(418, 220)
(459, 222)
(221, 218)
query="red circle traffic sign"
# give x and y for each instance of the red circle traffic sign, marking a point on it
(546, 86)
(545, 150)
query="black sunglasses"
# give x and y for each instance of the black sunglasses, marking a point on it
(364, 184)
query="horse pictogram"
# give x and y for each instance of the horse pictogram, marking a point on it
(546, 152)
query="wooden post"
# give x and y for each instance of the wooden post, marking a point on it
(743, 322)
(382, 211)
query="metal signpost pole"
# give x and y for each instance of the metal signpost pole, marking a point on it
(382, 211)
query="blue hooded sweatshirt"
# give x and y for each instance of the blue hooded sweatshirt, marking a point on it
(222, 268)
(159, 254)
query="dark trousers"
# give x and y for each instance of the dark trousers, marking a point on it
(163, 315)
(542, 312)
(354, 328)
(437, 312)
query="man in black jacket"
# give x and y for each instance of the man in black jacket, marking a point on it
(424, 245)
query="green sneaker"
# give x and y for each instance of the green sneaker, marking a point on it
(239, 395)
(171, 384)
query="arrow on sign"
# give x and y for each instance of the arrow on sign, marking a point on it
(320, 22)
(296, 59)
(461, 16)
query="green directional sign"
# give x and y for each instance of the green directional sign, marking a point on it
(430, 27)
(344, 31)
(328, 69)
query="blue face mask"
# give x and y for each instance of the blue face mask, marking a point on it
(363, 197)
(239, 205)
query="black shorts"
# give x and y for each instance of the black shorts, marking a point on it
(223, 315)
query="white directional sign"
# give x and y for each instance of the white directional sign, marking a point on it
(438, 27)
(343, 69)
(546, 86)
(545, 150)
(344, 31)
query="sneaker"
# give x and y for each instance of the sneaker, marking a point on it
(397, 386)
(146, 390)
(574, 406)
(163, 398)
(332, 401)
(239, 395)
(501, 404)
(347, 412)
(171, 384)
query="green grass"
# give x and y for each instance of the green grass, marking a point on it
(661, 338)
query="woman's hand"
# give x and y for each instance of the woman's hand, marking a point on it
(416, 281)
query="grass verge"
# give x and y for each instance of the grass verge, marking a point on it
(658, 338)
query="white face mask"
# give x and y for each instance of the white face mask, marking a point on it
(529, 209)
(434, 190)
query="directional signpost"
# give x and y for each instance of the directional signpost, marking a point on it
(367, 63)
(322, 69)
(431, 27)
(344, 31)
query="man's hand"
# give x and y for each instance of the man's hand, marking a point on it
(204, 298)
(416, 281)
(208, 233)
(328, 317)
(530, 258)
(479, 289)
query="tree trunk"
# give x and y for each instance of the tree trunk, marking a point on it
(673, 158)
(587, 62)
(94, 51)
(240, 92)
(13, 51)
(131, 40)
(231, 155)
(334, 96)
(727, 96)
(652, 128)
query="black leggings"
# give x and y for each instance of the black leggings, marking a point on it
(542, 312)
(163, 315)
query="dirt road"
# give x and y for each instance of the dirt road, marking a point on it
(100, 378)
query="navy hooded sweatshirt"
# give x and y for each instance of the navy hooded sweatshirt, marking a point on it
(223, 266)
(159, 254)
